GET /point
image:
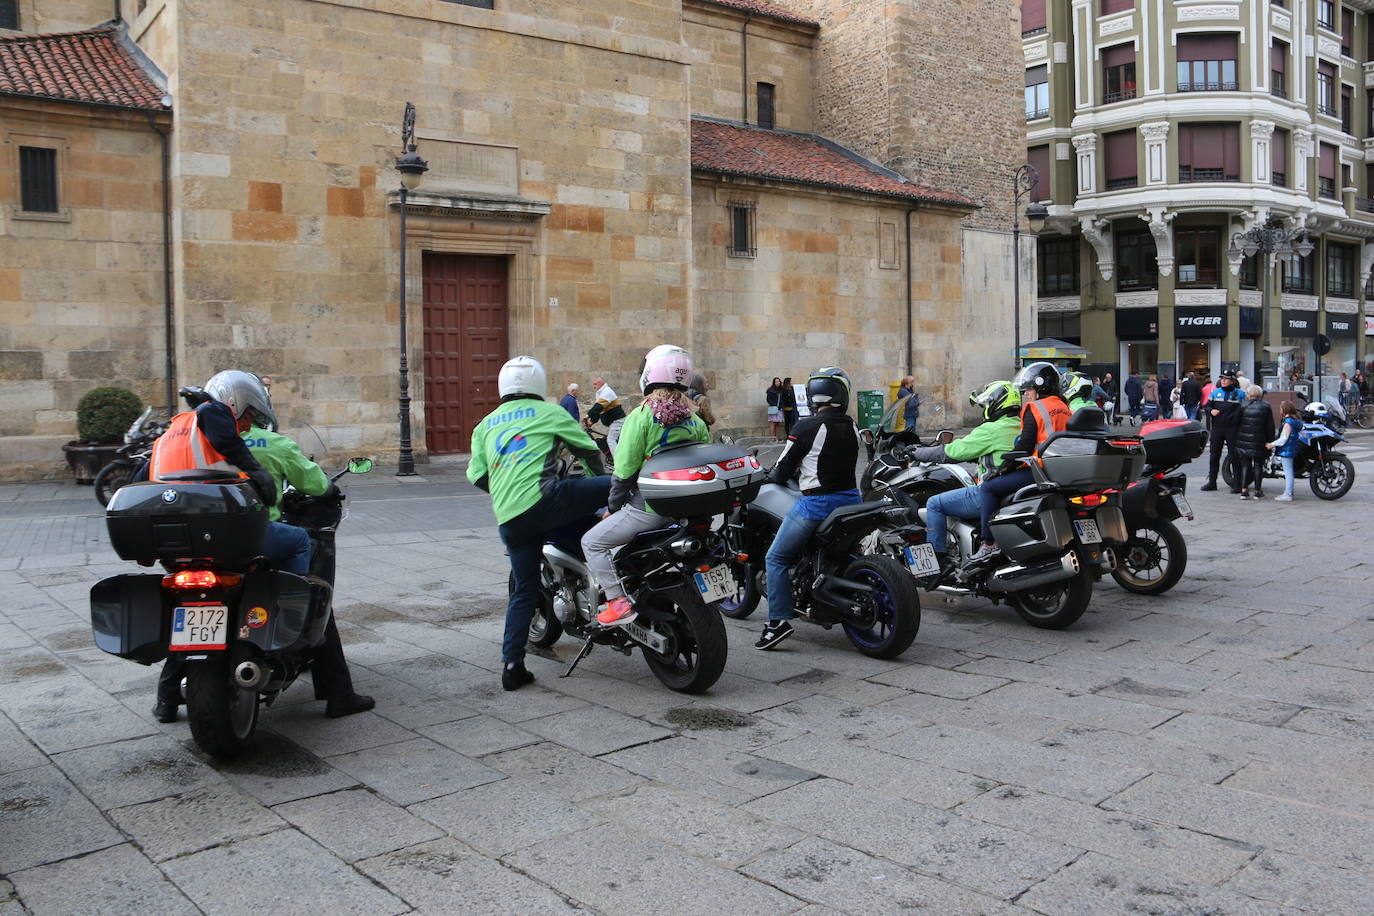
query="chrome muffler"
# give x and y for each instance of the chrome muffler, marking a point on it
(249, 675)
(1018, 578)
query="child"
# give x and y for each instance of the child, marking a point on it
(664, 418)
(1287, 446)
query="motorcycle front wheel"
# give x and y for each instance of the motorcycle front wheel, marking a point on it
(111, 477)
(222, 715)
(697, 646)
(746, 598)
(1332, 478)
(1054, 607)
(896, 607)
(1152, 560)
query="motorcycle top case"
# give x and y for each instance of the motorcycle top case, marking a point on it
(1173, 442)
(1091, 461)
(173, 522)
(699, 479)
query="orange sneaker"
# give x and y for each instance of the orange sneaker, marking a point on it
(618, 611)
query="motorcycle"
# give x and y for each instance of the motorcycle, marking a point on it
(247, 631)
(674, 574)
(1057, 536)
(1329, 472)
(138, 445)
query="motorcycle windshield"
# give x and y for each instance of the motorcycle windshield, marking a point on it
(307, 437)
(1333, 405)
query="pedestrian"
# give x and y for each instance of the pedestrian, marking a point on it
(1149, 398)
(911, 408)
(774, 398)
(1361, 384)
(788, 403)
(1190, 394)
(1347, 390)
(1254, 431)
(607, 410)
(1166, 390)
(696, 393)
(1134, 392)
(569, 402)
(1208, 386)
(1113, 396)
(1223, 407)
(1287, 446)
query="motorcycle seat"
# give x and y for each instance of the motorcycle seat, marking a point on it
(844, 512)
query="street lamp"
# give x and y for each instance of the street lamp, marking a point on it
(412, 167)
(1023, 181)
(1269, 239)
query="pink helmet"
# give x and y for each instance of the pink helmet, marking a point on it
(666, 364)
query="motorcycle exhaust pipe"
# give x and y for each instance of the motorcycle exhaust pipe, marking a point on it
(249, 675)
(1018, 578)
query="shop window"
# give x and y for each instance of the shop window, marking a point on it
(1037, 92)
(1058, 260)
(1197, 257)
(38, 179)
(742, 229)
(1136, 266)
(1340, 270)
(1297, 274)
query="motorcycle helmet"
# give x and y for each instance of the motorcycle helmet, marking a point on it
(666, 366)
(1316, 411)
(998, 399)
(1041, 376)
(828, 387)
(1074, 384)
(522, 377)
(239, 390)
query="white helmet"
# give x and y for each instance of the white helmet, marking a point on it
(666, 364)
(239, 390)
(1317, 410)
(523, 375)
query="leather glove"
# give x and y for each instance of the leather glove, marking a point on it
(925, 453)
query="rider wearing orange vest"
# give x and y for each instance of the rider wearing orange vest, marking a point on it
(1043, 413)
(207, 438)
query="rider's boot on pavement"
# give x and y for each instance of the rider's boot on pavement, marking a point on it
(347, 705)
(1209, 486)
(165, 711)
(515, 675)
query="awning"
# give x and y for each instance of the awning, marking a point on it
(1051, 348)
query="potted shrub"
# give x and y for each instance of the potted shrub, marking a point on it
(103, 416)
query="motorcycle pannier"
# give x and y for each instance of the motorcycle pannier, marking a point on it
(699, 480)
(219, 522)
(1091, 461)
(1173, 442)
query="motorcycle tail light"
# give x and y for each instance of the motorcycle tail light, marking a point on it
(915, 537)
(1092, 499)
(742, 557)
(698, 473)
(754, 463)
(201, 579)
(704, 567)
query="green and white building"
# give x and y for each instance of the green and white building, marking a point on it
(1160, 129)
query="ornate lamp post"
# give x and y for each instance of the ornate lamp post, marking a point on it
(1023, 181)
(1269, 239)
(412, 167)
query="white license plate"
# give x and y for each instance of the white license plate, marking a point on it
(199, 626)
(716, 583)
(1087, 531)
(921, 560)
(1182, 506)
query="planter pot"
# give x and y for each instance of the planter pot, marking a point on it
(86, 460)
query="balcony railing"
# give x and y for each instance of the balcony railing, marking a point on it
(1197, 277)
(1342, 288)
(1033, 113)
(1225, 86)
(1326, 187)
(1279, 179)
(1129, 284)
(1116, 184)
(1027, 33)
(1328, 110)
(1188, 174)
(1364, 204)
(1118, 96)
(1278, 91)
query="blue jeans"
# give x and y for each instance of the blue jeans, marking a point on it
(287, 547)
(1289, 473)
(524, 536)
(964, 502)
(1190, 411)
(796, 529)
(993, 491)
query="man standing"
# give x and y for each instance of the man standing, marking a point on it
(1224, 409)
(608, 411)
(1134, 392)
(569, 402)
(1113, 395)
(1190, 395)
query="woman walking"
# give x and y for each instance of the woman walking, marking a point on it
(774, 395)
(789, 406)
(1253, 435)
(1287, 446)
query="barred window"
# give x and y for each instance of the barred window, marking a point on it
(38, 179)
(742, 230)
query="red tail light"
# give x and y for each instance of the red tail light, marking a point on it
(200, 578)
(734, 464)
(754, 463)
(698, 473)
(1092, 499)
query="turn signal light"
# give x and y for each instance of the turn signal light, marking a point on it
(741, 557)
(704, 567)
(200, 578)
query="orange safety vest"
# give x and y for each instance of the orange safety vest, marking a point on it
(183, 447)
(1051, 415)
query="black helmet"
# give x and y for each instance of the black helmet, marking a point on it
(1227, 373)
(1042, 376)
(828, 387)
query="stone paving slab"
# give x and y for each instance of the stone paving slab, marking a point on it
(114, 881)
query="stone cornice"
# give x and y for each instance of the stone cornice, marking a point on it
(471, 206)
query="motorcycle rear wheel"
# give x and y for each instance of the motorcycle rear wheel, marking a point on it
(897, 607)
(1153, 559)
(746, 599)
(697, 644)
(222, 716)
(111, 477)
(1332, 478)
(1056, 606)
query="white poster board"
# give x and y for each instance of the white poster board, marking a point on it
(803, 408)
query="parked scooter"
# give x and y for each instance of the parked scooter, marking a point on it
(246, 630)
(1329, 472)
(138, 445)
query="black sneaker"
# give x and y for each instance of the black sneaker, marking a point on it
(516, 675)
(774, 632)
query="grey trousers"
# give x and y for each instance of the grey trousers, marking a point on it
(613, 434)
(611, 532)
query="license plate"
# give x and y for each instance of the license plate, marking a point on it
(921, 560)
(716, 583)
(199, 626)
(1087, 531)
(1181, 504)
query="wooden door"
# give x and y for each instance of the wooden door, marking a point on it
(465, 345)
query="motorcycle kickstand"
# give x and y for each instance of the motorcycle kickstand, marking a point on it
(586, 650)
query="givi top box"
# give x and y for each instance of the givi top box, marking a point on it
(699, 480)
(175, 523)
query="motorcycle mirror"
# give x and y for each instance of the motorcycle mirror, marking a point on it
(359, 465)
(944, 437)
(866, 435)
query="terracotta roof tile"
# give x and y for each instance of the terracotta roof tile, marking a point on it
(91, 66)
(765, 9)
(734, 149)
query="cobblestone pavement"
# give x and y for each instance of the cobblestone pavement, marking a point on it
(1208, 751)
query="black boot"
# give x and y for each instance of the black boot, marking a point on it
(347, 705)
(515, 675)
(165, 711)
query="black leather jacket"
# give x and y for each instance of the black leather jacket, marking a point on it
(1255, 428)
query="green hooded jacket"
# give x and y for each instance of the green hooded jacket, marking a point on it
(283, 458)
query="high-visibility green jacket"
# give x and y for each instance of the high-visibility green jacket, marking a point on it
(286, 462)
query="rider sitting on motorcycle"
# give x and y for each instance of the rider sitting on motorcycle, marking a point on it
(1077, 389)
(515, 459)
(664, 418)
(1043, 413)
(987, 443)
(823, 450)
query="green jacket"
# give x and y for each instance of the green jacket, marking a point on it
(515, 453)
(986, 445)
(640, 438)
(284, 460)
(1082, 401)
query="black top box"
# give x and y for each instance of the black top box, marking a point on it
(221, 523)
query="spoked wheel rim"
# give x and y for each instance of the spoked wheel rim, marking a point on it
(243, 712)
(1146, 557)
(884, 613)
(1045, 602)
(1330, 476)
